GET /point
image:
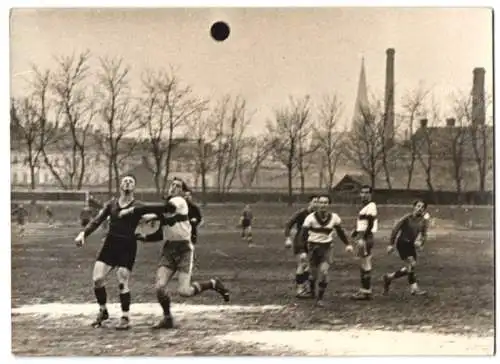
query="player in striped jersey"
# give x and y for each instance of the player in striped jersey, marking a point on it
(409, 234)
(299, 250)
(177, 252)
(366, 227)
(317, 233)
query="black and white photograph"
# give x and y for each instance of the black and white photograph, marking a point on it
(252, 181)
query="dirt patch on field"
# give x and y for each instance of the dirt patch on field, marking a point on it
(360, 342)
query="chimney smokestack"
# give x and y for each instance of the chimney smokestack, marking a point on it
(389, 96)
(423, 123)
(478, 98)
(450, 122)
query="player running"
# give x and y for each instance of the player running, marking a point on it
(50, 216)
(118, 251)
(177, 252)
(317, 232)
(246, 220)
(195, 217)
(366, 226)
(409, 234)
(299, 248)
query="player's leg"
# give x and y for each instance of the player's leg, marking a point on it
(163, 276)
(302, 270)
(125, 265)
(412, 276)
(313, 263)
(101, 270)
(404, 253)
(249, 234)
(365, 257)
(325, 260)
(188, 288)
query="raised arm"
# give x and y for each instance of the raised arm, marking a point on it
(97, 220)
(157, 208)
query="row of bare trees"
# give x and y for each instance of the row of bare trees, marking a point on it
(84, 106)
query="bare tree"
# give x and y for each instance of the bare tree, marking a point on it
(286, 133)
(76, 108)
(202, 131)
(255, 151)
(168, 105)
(328, 136)
(481, 138)
(25, 132)
(364, 145)
(429, 145)
(413, 108)
(230, 119)
(119, 116)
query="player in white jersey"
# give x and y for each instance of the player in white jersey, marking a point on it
(366, 226)
(177, 252)
(317, 232)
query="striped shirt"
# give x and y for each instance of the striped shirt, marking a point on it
(320, 231)
(368, 212)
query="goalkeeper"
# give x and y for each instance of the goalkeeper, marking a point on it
(302, 272)
(409, 234)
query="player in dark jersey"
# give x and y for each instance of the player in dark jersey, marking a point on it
(177, 252)
(246, 220)
(50, 215)
(299, 251)
(409, 234)
(195, 217)
(20, 214)
(118, 251)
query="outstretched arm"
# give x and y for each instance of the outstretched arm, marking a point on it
(157, 208)
(290, 223)
(97, 221)
(341, 234)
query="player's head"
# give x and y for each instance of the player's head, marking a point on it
(366, 193)
(177, 187)
(127, 184)
(419, 207)
(188, 196)
(323, 203)
(247, 207)
(313, 201)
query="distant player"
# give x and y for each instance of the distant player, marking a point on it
(20, 214)
(409, 234)
(118, 251)
(246, 220)
(366, 227)
(299, 249)
(195, 217)
(317, 233)
(50, 215)
(177, 252)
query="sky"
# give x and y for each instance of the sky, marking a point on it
(270, 53)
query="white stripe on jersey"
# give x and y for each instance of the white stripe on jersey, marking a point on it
(181, 230)
(321, 233)
(370, 209)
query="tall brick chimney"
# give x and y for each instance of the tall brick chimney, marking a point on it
(478, 97)
(389, 96)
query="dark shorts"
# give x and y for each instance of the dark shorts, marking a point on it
(298, 245)
(406, 249)
(365, 250)
(85, 222)
(177, 256)
(117, 252)
(245, 223)
(320, 253)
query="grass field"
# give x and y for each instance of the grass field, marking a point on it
(53, 303)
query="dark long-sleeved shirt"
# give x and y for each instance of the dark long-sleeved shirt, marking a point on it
(296, 220)
(122, 227)
(409, 227)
